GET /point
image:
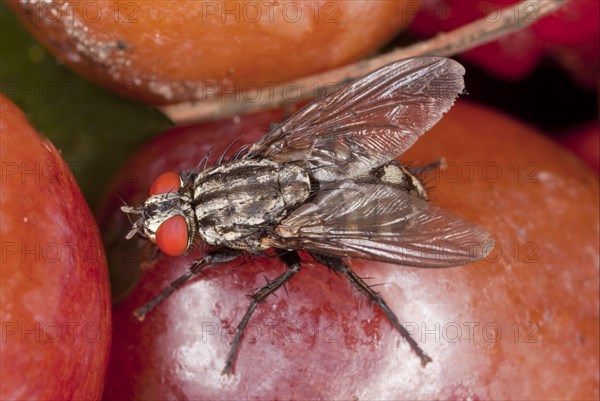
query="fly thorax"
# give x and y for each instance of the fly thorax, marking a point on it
(236, 203)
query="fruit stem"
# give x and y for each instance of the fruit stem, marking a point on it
(468, 36)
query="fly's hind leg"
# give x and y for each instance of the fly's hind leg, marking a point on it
(216, 257)
(292, 260)
(338, 266)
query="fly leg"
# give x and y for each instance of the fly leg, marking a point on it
(212, 258)
(292, 260)
(338, 266)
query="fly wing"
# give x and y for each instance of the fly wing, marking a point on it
(378, 222)
(369, 122)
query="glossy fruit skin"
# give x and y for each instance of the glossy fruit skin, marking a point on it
(584, 141)
(54, 290)
(522, 324)
(571, 35)
(173, 51)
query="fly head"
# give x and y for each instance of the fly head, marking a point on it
(167, 217)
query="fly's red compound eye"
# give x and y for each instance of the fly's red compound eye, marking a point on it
(172, 236)
(166, 182)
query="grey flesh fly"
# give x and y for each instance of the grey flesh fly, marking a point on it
(325, 181)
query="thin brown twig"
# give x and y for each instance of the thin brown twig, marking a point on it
(469, 36)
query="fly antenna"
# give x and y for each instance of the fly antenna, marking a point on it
(128, 208)
(131, 209)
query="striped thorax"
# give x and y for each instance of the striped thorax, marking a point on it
(237, 203)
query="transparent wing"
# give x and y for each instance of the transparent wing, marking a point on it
(381, 223)
(369, 122)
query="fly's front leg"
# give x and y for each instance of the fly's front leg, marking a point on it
(212, 258)
(338, 266)
(292, 260)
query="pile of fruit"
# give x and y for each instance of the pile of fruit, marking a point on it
(521, 323)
